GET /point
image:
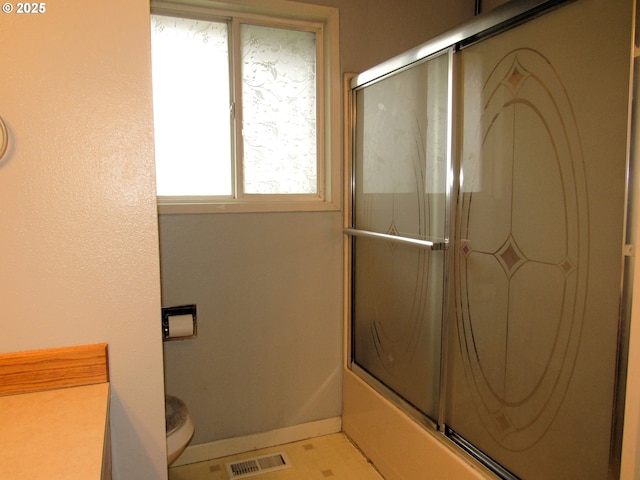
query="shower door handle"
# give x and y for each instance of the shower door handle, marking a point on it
(354, 232)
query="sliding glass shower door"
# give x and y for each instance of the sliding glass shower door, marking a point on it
(486, 285)
(538, 253)
(400, 169)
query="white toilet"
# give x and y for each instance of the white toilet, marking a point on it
(179, 427)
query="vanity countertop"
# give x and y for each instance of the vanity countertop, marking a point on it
(54, 434)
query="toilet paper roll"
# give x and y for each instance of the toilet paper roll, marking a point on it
(180, 326)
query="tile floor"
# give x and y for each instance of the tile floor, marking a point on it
(331, 457)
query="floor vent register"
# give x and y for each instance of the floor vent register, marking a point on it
(257, 465)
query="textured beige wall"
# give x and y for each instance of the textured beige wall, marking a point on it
(78, 227)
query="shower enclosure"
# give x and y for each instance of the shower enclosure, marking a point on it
(487, 227)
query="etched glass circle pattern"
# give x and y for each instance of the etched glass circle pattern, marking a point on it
(521, 262)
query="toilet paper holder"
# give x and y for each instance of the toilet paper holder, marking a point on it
(179, 323)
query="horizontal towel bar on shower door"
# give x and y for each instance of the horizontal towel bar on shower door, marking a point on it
(354, 232)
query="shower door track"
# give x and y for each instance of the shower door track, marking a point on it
(498, 20)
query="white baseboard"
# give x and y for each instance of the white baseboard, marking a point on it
(232, 446)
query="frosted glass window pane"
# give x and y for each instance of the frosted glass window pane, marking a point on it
(191, 106)
(279, 110)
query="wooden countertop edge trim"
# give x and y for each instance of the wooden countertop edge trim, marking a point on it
(38, 370)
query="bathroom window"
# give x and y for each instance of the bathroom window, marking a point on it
(239, 111)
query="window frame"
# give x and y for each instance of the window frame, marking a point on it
(323, 21)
